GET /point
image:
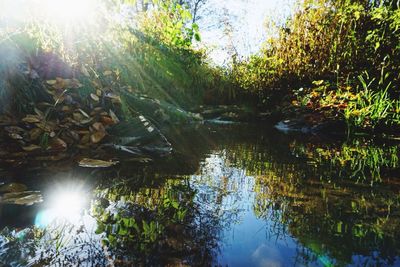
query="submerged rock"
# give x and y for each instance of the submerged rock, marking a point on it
(332, 127)
(292, 126)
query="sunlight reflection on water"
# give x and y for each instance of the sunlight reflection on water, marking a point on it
(67, 203)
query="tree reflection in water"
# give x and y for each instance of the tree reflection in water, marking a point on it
(155, 226)
(342, 204)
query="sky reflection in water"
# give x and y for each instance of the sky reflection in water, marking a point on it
(248, 240)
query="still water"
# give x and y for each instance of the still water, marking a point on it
(229, 195)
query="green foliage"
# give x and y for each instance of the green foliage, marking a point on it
(372, 106)
(340, 203)
(171, 25)
(337, 40)
(359, 160)
(366, 105)
(334, 41)
(254, 73)
(150, 53)
(144, 229)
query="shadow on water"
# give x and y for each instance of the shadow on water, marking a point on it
(237, 195)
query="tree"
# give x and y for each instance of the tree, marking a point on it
(195, 7)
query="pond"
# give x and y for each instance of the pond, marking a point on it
(229, 195)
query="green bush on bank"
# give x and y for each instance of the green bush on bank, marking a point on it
(334, 41)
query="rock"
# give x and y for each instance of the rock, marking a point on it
(330, 127)
(287, 126)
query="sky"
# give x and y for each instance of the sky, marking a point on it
(248, 19)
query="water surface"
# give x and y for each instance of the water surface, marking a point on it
(230, 195)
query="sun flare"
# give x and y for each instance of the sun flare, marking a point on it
(69, 10)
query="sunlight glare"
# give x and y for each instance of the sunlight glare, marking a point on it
(68, 11)
(65, 205)
(69, 204)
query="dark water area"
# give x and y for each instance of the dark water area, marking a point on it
(229, 195)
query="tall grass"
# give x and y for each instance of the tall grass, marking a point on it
(372, 106)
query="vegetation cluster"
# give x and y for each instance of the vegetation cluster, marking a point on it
(336, 58)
